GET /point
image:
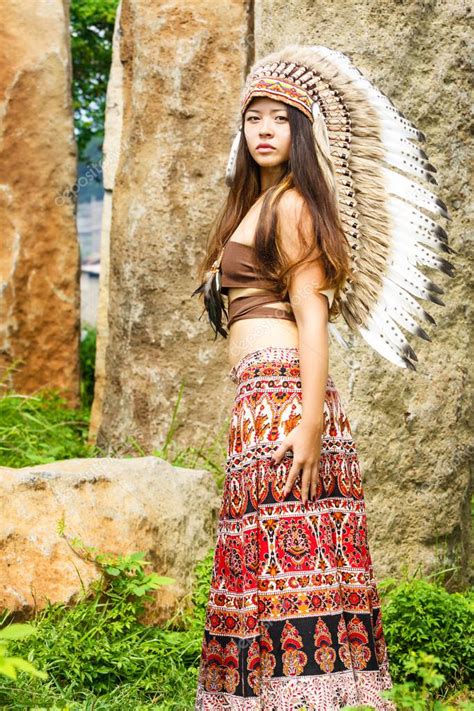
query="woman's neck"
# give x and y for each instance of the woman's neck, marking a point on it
(270, 177)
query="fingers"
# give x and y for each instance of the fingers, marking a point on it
(314, 482)
(292, 476)
(309, 470)
(309, 481)
(305, 484)
(279, 452)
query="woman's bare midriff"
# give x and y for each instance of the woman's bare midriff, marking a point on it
(251, 334)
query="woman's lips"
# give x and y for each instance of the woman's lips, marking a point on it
(265, 149)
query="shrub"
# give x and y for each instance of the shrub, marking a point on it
(422, 617)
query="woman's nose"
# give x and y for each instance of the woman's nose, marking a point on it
(265, 128)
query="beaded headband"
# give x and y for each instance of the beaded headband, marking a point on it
(280, 89)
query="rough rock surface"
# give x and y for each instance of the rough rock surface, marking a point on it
(183, 65)
(39, 251)
(183, 72)
(111, 154)
(117, 506)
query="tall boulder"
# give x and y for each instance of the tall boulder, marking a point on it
(412, 429)
(39, 250)
(182, 65)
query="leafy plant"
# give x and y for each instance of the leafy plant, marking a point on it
(422, 617)
(418, 692)
(9, 666)
(92, 25)
(87, 364)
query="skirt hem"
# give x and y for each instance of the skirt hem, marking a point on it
(330, 692)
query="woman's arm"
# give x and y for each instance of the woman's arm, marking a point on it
(311, 313)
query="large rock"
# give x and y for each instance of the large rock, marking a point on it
(111, 154)
(182, 66)
(118, 506)
(39, 250)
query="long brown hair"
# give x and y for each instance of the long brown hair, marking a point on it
(302, 172)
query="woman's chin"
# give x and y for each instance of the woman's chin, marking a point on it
(268, 160)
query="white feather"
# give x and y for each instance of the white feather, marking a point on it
(412, 280)
(230, 169)
(403, 187)
(378, 343)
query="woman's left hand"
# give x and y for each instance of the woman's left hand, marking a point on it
(305, 442)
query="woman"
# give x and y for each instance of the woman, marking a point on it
(293, 619)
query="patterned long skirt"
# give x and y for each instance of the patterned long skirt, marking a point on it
(293, 619)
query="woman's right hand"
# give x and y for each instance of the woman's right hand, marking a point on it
(305, 442)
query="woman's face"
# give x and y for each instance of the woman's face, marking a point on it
(266, 122)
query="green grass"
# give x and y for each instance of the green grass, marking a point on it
(98, 654)
(36, 429)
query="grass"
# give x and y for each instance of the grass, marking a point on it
(41, 428)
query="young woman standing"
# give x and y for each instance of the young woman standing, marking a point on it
(293, 619)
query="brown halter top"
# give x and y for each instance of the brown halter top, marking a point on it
(239, 270)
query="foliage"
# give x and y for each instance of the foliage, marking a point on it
(92, 25)
(41, 428)
(422, 681)
(87, 364)
(10, 666)
(422, 617)
(97, 649)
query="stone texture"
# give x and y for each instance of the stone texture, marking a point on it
(111, 153)
(412, 429)
(116, 506)
(39, 251)
(183, 65)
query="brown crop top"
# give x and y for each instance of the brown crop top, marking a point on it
(239, 270)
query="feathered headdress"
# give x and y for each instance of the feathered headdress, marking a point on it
(366, 148)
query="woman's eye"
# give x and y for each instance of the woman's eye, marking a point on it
(249, 118)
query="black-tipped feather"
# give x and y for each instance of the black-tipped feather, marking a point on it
(213, 301)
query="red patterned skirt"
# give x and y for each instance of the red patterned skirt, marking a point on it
(293, 619)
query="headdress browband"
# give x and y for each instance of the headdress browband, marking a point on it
(291, 83)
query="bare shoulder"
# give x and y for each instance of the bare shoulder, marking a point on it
(291, 204)
(295, 223)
